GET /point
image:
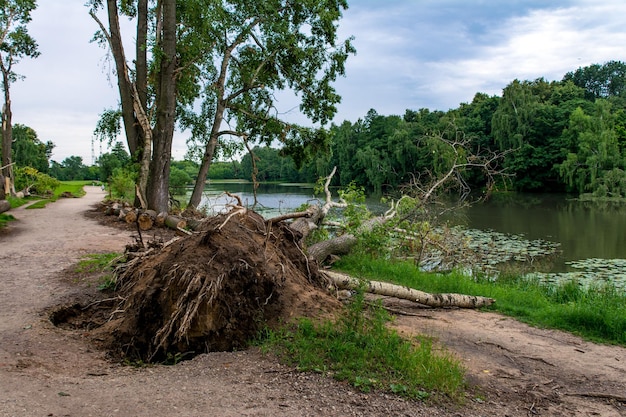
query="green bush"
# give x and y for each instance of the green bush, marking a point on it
(122, 184)
(28, 178)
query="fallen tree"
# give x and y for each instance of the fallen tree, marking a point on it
(343, 281)
(231, 275)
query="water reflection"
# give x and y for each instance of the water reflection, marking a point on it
(584, 229)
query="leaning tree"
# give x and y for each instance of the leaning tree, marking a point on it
(254, 54)
(147, 90)
(217, 68)
(15, 44)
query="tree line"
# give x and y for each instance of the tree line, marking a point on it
(559, 136)
(563, 136)
(214, 68)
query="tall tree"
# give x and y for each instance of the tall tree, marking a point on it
(148, 118)
(15, 44)
(28, 150)
(253, 50)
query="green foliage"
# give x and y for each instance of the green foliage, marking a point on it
(597, 313)
(122, 184)
(28, 150)
(361, 349)
(4, 219)
(108, 128)
(600, 81)
(108, 162)
(179, 180)
(35, 181)
(356, 212)
(72, 169)
(594, 162)
(225, 171)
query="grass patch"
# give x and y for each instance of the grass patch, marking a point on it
(597, 313)
(4, 219)
(74, 188)
(102, 263)
(361, 349)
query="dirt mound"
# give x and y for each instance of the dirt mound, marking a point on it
(211, 291)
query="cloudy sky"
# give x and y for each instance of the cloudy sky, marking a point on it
(411, 54)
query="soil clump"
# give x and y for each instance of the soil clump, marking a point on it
(213, 290)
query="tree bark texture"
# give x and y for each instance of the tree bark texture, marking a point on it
(163, 132)
(7, 133)
(4, 206)
(344, 281)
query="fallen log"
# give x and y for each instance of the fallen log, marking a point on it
(146, 219)
(131, 216)
(344, 281)
(160, 218)
(4, 206)
(175, 222)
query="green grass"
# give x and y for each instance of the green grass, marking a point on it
(4, 219)
(73, 187)
(361, 349)
(597, 314)
(100, 263)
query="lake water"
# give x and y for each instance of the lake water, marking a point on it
(272, 199)
(584, 230)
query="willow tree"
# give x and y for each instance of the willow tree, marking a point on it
(15, 44)
(253, 50)
(147, 90)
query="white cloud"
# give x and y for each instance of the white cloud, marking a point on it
(544, 43)
(410, 54)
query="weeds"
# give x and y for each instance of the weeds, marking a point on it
(361, 349)
(4, 219)
(597, 313)
(101, 263)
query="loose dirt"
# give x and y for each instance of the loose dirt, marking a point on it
(516, 370)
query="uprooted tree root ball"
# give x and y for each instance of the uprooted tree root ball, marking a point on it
(212, 291)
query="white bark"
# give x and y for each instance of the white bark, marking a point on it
(344, 281)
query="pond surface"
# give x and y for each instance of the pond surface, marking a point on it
(592, 236)
(584, 230)
(272, 199)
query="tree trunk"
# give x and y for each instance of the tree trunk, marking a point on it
(209, 151)
(131, 128)
(4, 206)
(163, 132)
(344, 281)
(341, 245)
(7, 133)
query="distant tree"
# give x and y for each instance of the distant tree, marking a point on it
(72, 168)
(28, 150)
(600, 81)
(271, 165)
(178, 181)
(15, 44)
(594, 163)
(108, 162)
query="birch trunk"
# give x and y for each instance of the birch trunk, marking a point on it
(344, 281)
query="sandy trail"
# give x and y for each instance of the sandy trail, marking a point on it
(45, 371)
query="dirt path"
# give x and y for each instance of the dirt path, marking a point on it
(45, 371)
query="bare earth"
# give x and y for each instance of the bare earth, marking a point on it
(45, 371)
